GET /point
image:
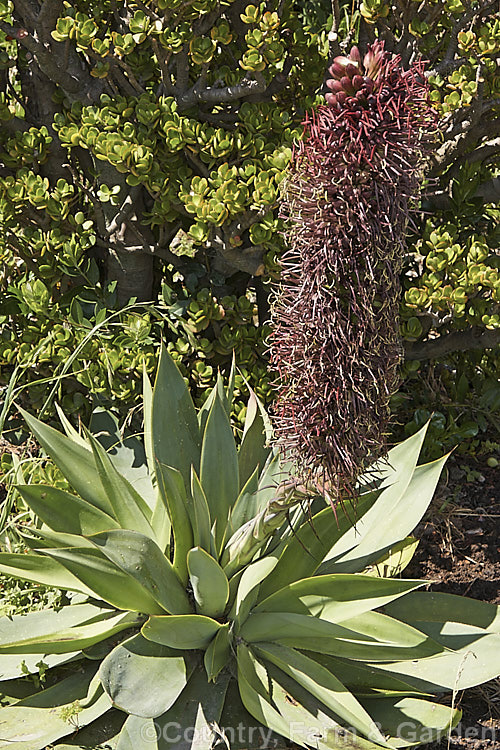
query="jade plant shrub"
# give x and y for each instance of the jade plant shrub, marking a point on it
(133, 156)
(212, 590)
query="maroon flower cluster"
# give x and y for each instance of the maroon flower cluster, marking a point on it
(347, 199)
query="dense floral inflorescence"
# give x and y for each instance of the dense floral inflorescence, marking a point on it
(353, 181)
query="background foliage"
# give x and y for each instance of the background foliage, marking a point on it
(141, 152)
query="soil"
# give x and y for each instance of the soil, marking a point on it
(459, 550)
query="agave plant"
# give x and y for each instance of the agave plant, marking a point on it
(211, 599)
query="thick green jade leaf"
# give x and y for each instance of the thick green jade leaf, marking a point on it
(410, 720)
(176, 436)
(218, 653)
(253, 451)
(173, 494)
(181, 631)
(69, 638)
(336, 597)
(190, 724)
(431, 606)
(209, 583)
(75, 462)
(43, 718)
(140, 558)
(389, 521)
(137, 664)
(106, 580)
(316, 536)
(129, 509)
(323, 685)
(219, 468)
(64, 512)
(41, 569)
(278, 702)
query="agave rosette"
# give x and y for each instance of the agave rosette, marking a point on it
(209, 591)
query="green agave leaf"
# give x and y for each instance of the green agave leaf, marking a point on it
(101, 734)
(291, 628)
(138, 662)
(64, 512)
(364, 680)
(69, 638)
(466, 667)
(129, 509)
(391, 519)
(247, 503)
(202, 524)
(432, 606)
(141, 559)
(278, 702)
(242, 730)
(189, 725)
(43, 623)
(254, 686)
(307, 548)
(105, 580)
(147, 401)
(48, 539)
(217, 390)
(127, 454)
(410, 721)
(395, 560)
(219, 468)
(160, 523)
(209, 583)
(353, 639)
(389, 639)
(13, 666)
(218, 653)
(43, 718)
(181, 631)
(69, 429)
(336, 597)
(173, 493)
(323, 685)
(75, 462)
(399, 462)
(253, 450)
(41, 569)
(176, 436)
(248, 587)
